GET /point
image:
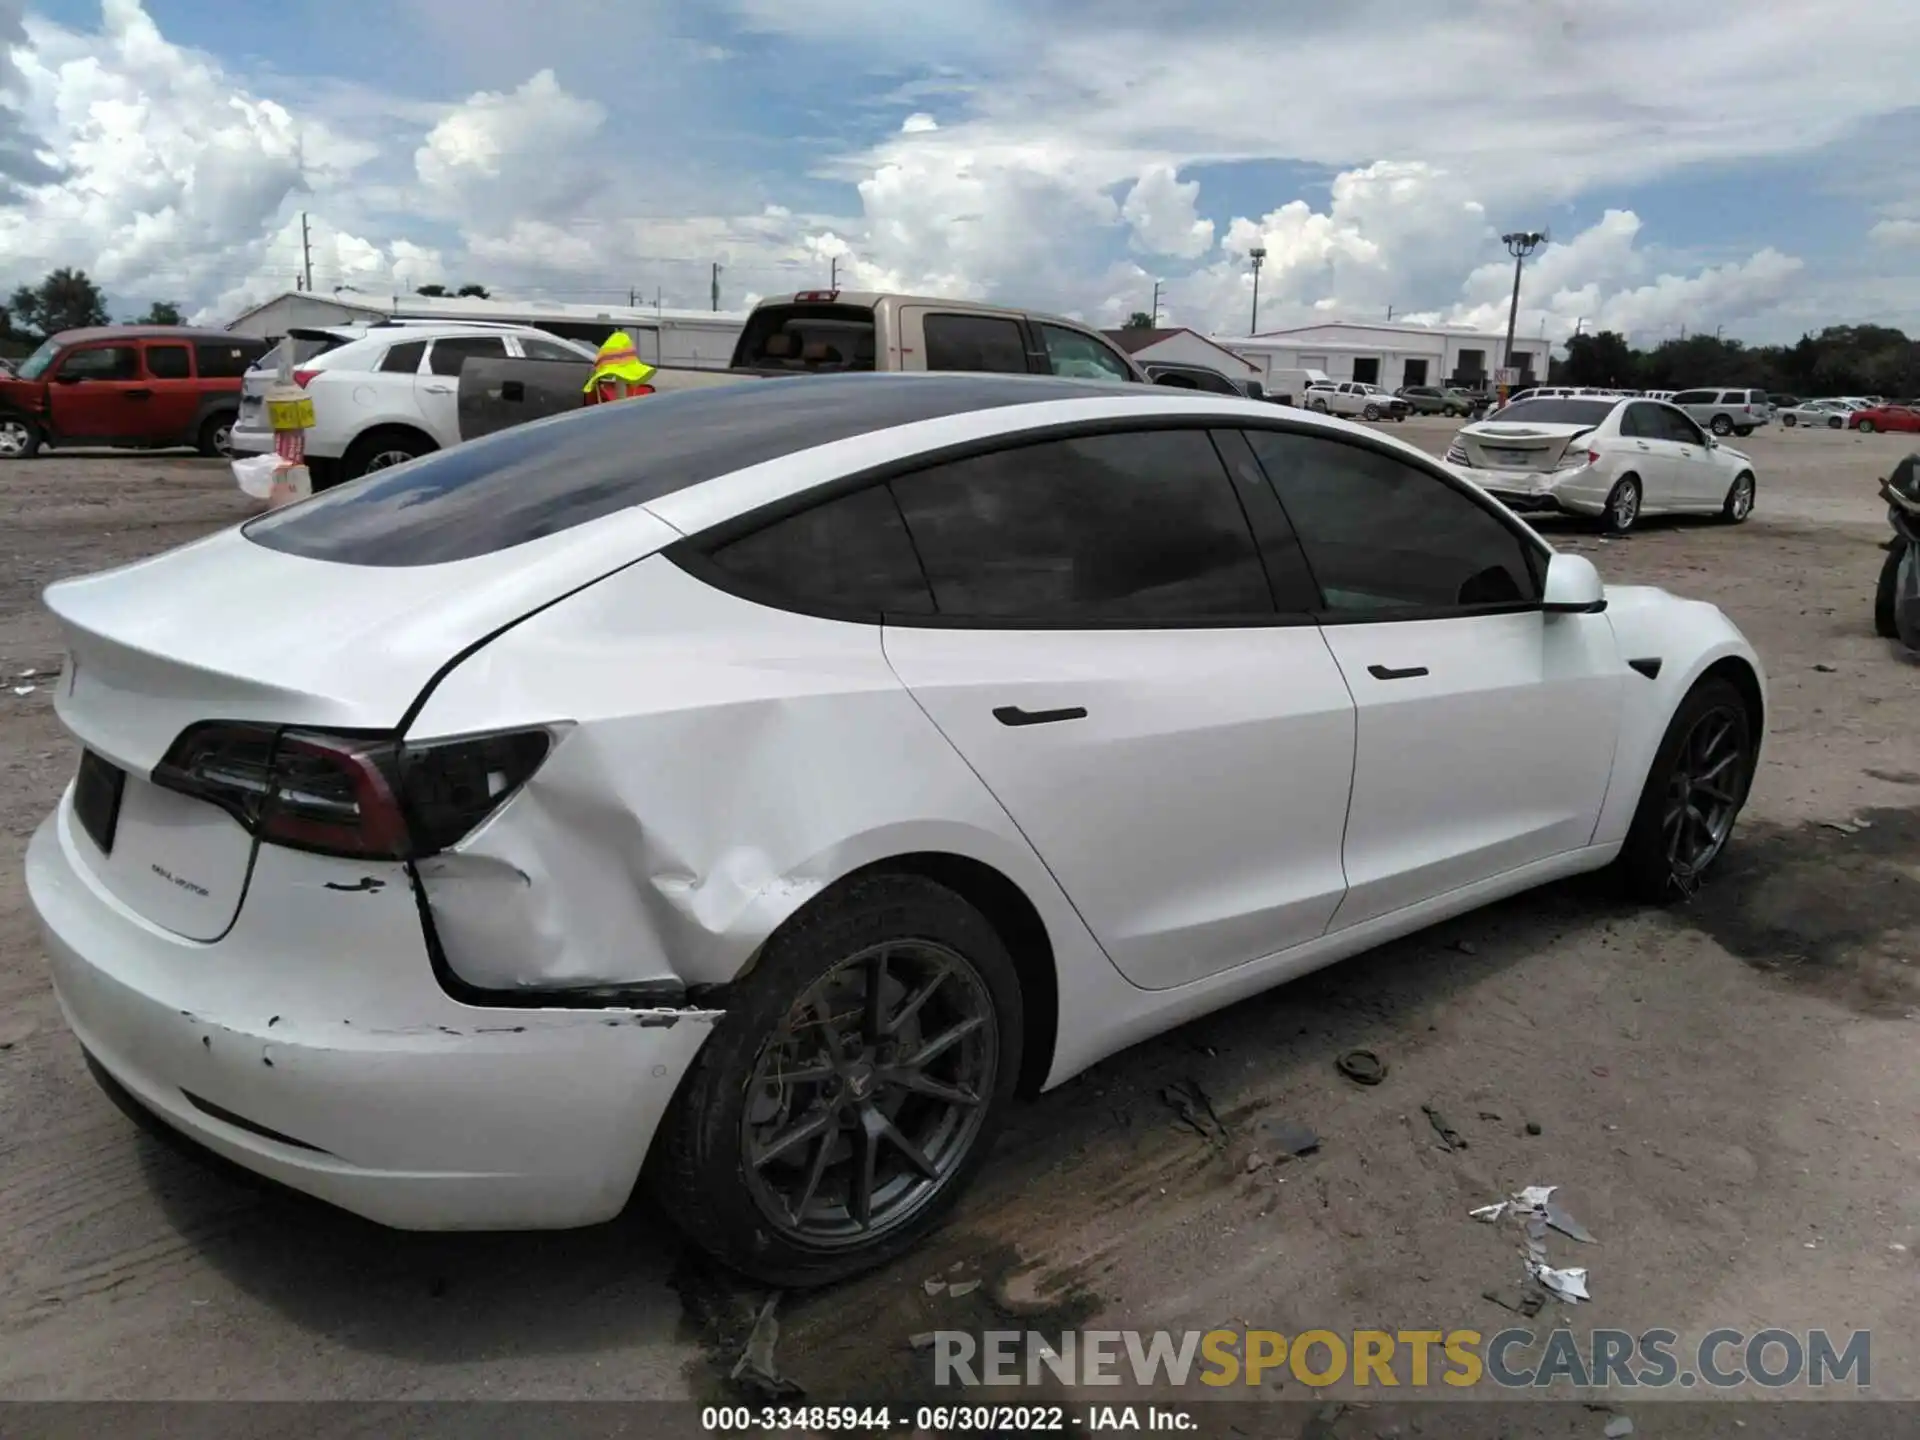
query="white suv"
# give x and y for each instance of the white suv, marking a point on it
(384, 393)
(1727, 412)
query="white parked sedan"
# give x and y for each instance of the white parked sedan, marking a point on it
(762, 783)
(1615, 460)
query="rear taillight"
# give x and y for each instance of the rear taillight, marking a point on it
(365, 797)
(303, 377)
(816, 297)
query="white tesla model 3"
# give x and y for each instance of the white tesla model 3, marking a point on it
(754, 787)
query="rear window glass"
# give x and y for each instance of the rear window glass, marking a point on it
(812, 338)
(1557, 410)
(551, 475)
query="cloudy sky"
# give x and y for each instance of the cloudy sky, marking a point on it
(1743, 165)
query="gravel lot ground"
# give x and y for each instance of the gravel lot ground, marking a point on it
(1723, 1090)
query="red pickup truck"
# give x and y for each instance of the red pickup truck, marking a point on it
(145, 387)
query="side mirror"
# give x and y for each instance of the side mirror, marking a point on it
(1573, 587)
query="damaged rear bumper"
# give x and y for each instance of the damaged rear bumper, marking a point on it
(313, 1045)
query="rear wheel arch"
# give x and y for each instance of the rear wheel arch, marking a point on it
(1013, 917)
(370, 441)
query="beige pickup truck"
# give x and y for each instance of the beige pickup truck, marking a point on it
(821, 332)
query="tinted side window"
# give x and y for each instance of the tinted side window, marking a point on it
(449, 355)
(537, 349)
(102, 362)
(1681, 427)
(1694, 397)
(847, 554)
(169, 362)
(1071, 353)
(226, 359)
(1643, 422)
(1138, 526)
(975, 342)
(1382, 535)
(403, 359)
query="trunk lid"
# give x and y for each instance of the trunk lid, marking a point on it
(226, 629)
(1518, 447)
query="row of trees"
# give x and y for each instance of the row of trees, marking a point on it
(68, 299)
(1840, 360)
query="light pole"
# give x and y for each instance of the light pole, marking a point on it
(1156, 306)
(1520, 244)
(1257, 255)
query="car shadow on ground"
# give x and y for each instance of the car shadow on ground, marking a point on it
(1807, 905)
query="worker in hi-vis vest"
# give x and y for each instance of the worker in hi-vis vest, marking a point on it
(618, 371)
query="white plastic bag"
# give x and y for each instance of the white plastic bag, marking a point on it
(254, 474)
(291, 484)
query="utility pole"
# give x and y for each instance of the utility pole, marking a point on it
(716, 285)
(633, 297)
(833, 275)
(1156, 305)
(1389, 314)
(306, 255)
(1258, 256)
(1520, 244)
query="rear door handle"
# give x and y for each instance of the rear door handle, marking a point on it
(1014, 715)
(438, 389)
(1387, 672)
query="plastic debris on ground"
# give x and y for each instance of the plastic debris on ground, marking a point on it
(1618, 1427)
(1538, 1212)
(1449, 1137)
(1194, 1110)
(1289, 1137)
(755, 1369)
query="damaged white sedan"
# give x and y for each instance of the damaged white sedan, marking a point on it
(753, 788)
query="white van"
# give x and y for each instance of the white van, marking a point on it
(1289, 386)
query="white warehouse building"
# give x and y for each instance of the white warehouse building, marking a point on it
(1390, 355)
(673, 337)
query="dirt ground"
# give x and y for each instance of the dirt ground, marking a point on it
(1723, 1089)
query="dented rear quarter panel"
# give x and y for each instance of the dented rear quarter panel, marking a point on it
(726, 762)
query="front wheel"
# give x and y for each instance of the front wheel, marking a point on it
(1866, 427)
(1739, 502)
(851, 1090)
(1370, 412)
(1885, 625)
(1623, 506)
(1694, 792)
(20, 438)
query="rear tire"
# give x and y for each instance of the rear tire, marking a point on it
(1656, 865)
(1743, 431)
(1884, 623)
(1789, 421)
(733, 1100)
(1865, 427)
(1740, 497)
(1836, 423)
(1320, 406)
(1623, 506)
(216, 436)
(20, 438)
(1452, 412)
(1721, 426)
(382, 449)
